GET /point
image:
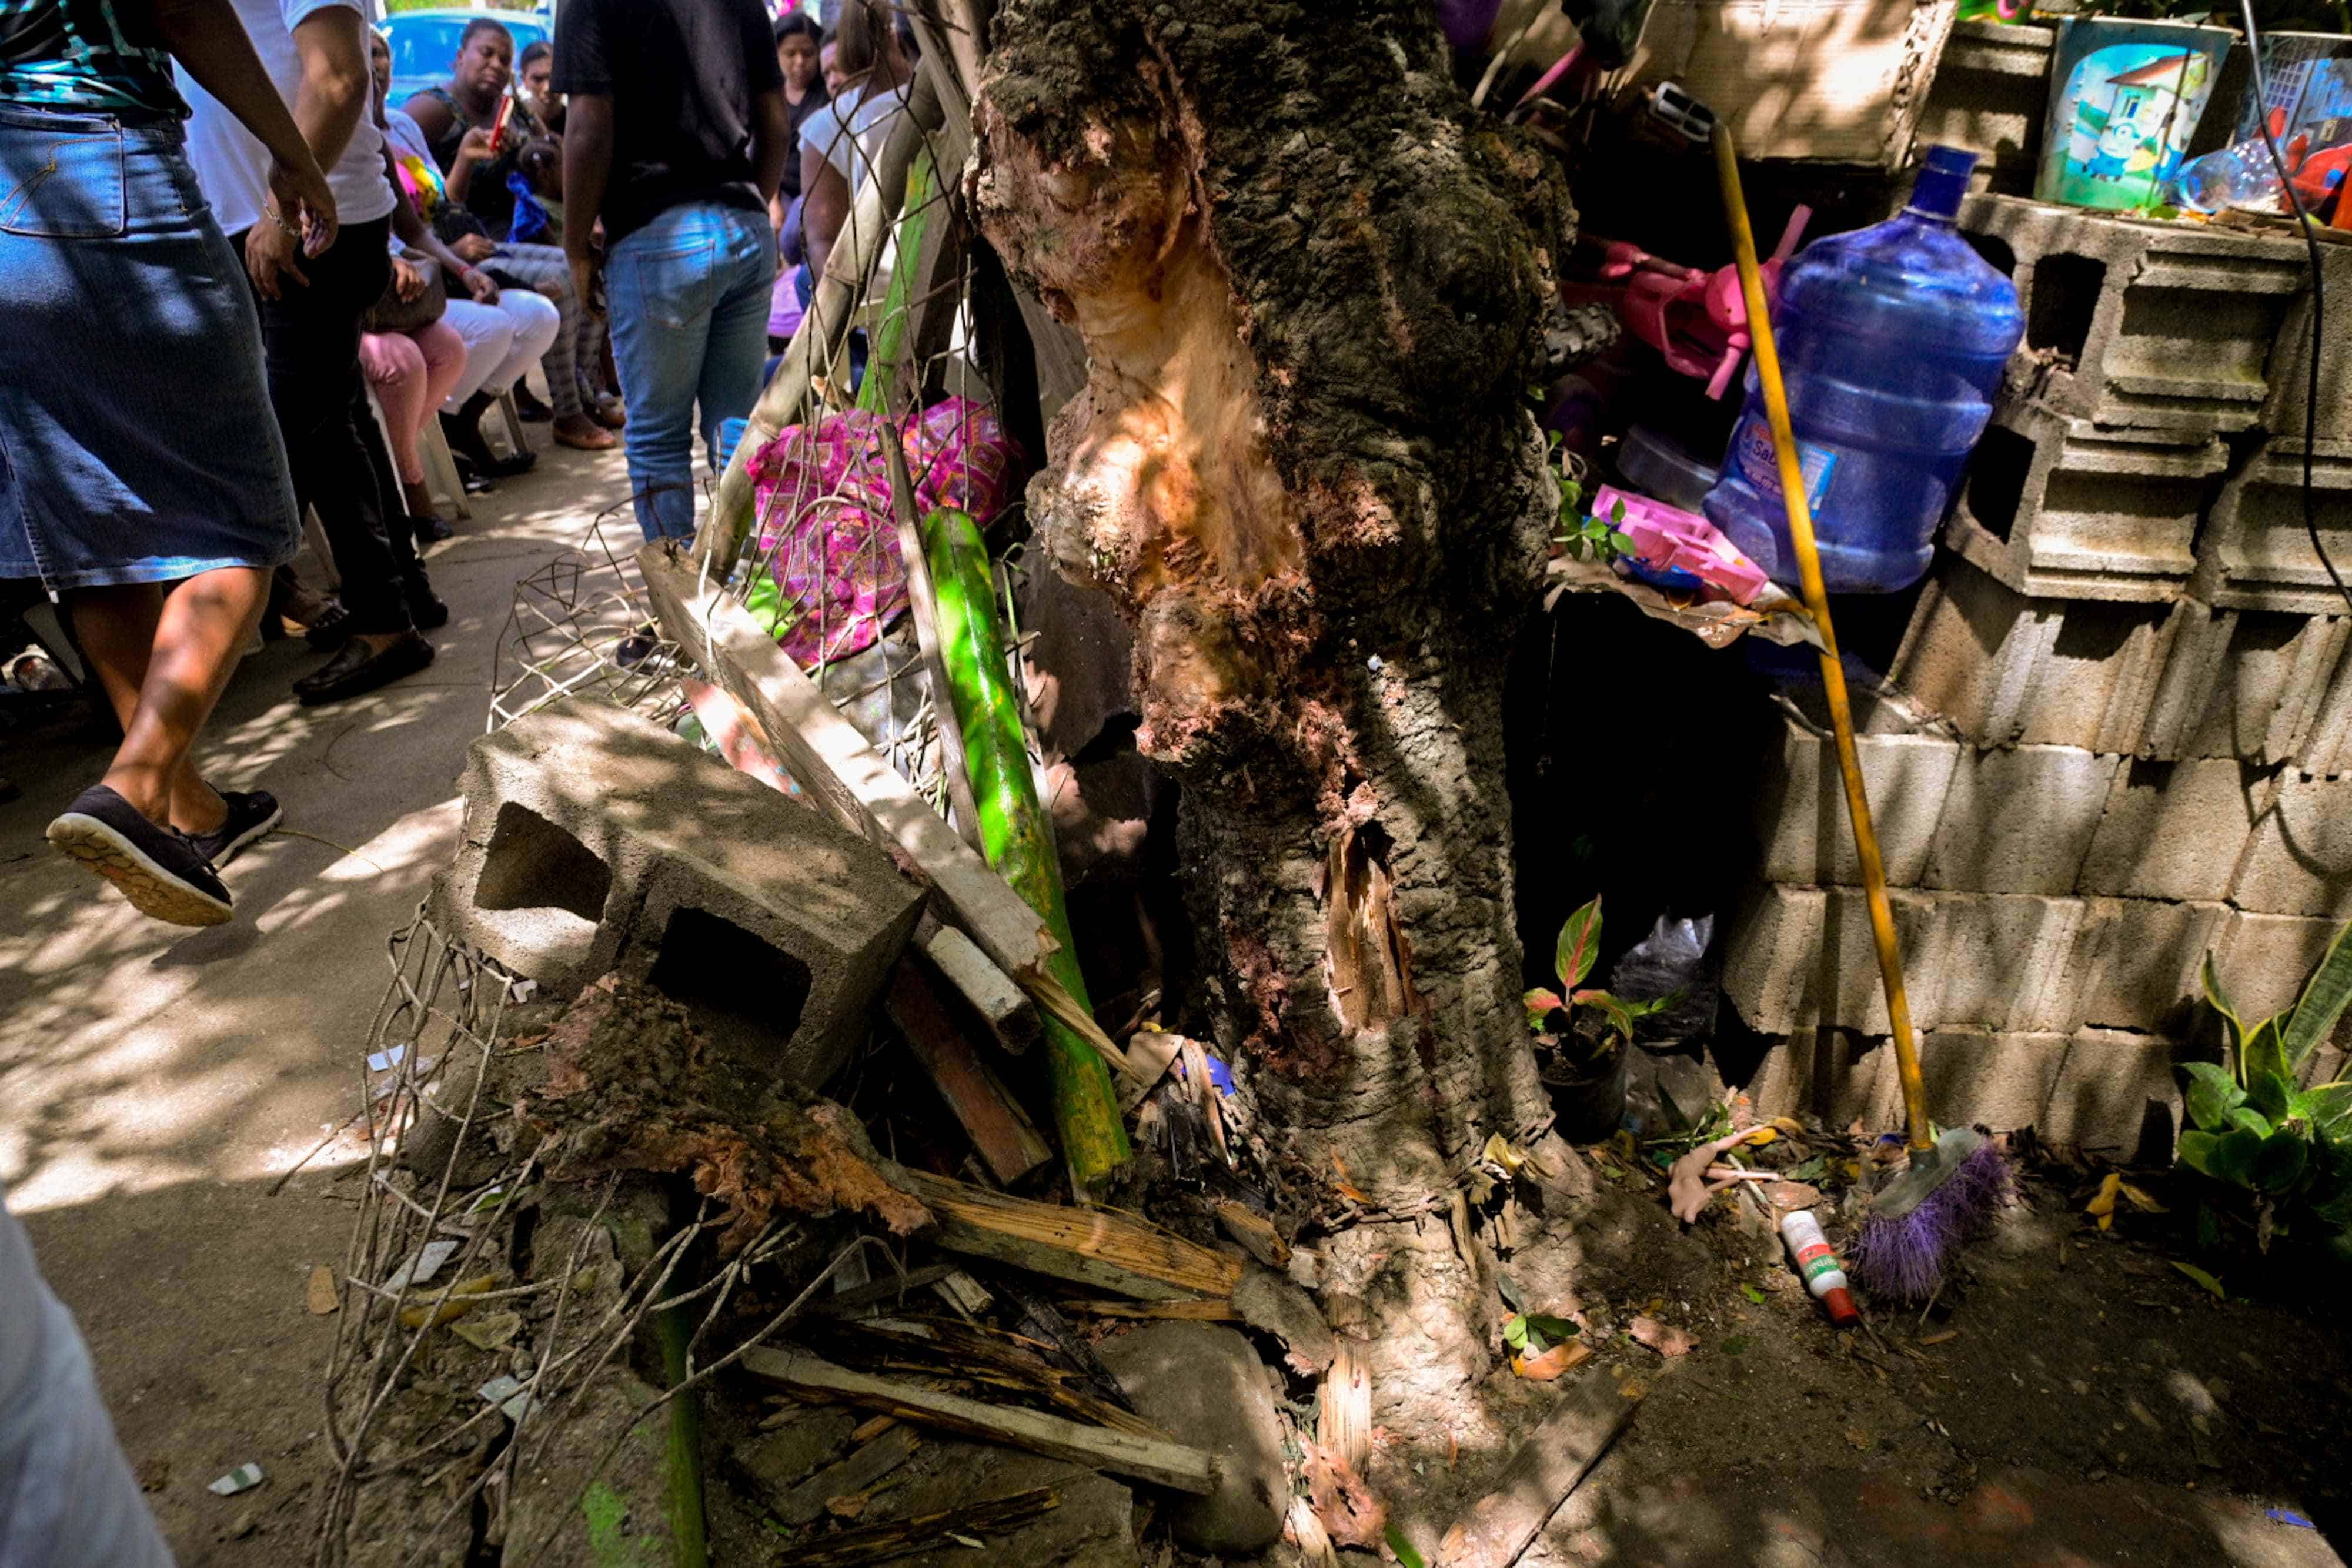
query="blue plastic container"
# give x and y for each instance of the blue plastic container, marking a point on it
(1892, 341)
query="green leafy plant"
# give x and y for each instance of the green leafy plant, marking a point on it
(1580, 534)
(1608, 1027)
(1532, 1334)
(2288, 1149)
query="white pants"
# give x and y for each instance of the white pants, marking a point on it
(68, 1498)
(501, 340)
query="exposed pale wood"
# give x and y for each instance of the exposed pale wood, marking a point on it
(1343, 1417)
(886, 1451)
(1092, 1247)
(835, 765)
(1188, 1311)
(1004, 1007)
(1006, 1140)
(1497, 1530)
(825, 328)
(1153, 1459)
(1255, 1231)
(1152, 1052)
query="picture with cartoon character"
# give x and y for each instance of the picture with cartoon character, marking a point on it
(2124, 120)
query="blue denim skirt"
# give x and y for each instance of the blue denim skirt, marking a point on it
(136, 438)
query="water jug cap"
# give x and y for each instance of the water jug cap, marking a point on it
(1943, 180)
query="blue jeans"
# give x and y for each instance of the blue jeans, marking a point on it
(689, 300)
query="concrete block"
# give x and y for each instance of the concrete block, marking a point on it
(1990, 95)
(1798, 956)
(1999, 1079)
(2264, 959)
(2290, 366)
(2175, 829)
(1837, 1074)
(2247, 683)
(2057, 507)
(2300, 859)
(2005, 668)
(2142, 959)
(2255, 552)
(2000, 962)
(2115, 1091)
(2326, 748)
(2019, 820)
(593, 840)
(1802, 813)
(2141, 325)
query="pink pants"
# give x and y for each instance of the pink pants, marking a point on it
(412, 372)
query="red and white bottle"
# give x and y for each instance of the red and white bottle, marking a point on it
(1817, 1263)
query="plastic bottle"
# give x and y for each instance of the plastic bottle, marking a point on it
(2239, 176)
(1824, 1275)
(1892, 341)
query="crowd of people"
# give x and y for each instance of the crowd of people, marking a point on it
(638, 208)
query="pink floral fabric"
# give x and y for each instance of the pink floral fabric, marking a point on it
(827, 538)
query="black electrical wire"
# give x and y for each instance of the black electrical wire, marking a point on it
(2318, 298)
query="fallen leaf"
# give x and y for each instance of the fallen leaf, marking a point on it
(1791, 1193)
(1347, 1188)
(2104, 1206)
(1350, 1515)
(1632, 1388)
(2139, 1199)
(1752, 1293)
(2210, 1285)
(1789, 1126)
(1498, 1151)
(1661, 1337)
(456, 1307)
(322, 1296)
(1560, 1358)
(848, 1507)
(491, 1331)
(1860, 1438)
(1762, 1135)
(1944, 1336)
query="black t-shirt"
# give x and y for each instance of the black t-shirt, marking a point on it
(682, 76)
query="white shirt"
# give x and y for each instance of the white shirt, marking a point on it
(231, 162)
(869, 121)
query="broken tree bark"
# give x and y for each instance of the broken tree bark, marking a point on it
(1554, 1459)
(1314, 290)
(1093, 1247)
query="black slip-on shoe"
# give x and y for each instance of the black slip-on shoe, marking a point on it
(432, 528)
(159, 870)
(250, 815)
(360, 668)
(425, 607)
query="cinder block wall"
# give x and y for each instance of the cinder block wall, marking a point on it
(2119, 732)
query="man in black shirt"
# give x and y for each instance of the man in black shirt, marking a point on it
(675, 135)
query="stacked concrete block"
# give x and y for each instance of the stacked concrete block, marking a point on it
(2290, 368)
(2264, 959)
(2257, 552)
(2019, 820)
(2299, 859)
(1990, 92)
(1800, 816)
(2326, 748)
(2141, 958)
(2174, 830)
(2005, 668)
(594, 840)
(2058, 507)
(2251, 684)
(2143, 326)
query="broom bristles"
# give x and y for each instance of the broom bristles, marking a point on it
(1906, 1259)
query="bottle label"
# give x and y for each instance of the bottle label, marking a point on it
(1815, 1258)
(1762, 469)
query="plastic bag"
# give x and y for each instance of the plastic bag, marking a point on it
(1673, 958)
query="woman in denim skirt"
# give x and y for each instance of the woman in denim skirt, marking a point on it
(142, 478)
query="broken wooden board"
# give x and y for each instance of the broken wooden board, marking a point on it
(1153, 1459)
(841, 772)
(1001, 1132)
(1004, 1007)
(1497, 1530)
(1093, 1247)
(902, 1538)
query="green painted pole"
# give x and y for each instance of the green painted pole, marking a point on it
(1013, 824)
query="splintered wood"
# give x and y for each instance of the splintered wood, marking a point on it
(1092, 1247)
(1153, 1459)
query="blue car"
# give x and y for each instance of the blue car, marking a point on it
(424, 43)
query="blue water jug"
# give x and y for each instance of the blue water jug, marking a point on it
(1892, 341)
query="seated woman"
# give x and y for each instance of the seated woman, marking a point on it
(443, 141)
(412, 371)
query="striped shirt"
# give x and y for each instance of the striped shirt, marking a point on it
(91, 56)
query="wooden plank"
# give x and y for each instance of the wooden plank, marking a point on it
(1099, 1248)
(835, 765)
(903, 1538)
(1497, 1530)
(1343, 1415)
(1003, 1006)
(1153, 1459)
(1000, 1131)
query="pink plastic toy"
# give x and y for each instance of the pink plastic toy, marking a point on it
(1698, 321)
(1668, 538)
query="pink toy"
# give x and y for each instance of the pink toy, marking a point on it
(1698, 321)
(1668, 538)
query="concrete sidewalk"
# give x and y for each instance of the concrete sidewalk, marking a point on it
(154, 1081)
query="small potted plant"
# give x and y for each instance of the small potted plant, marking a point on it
(1583, 1037)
